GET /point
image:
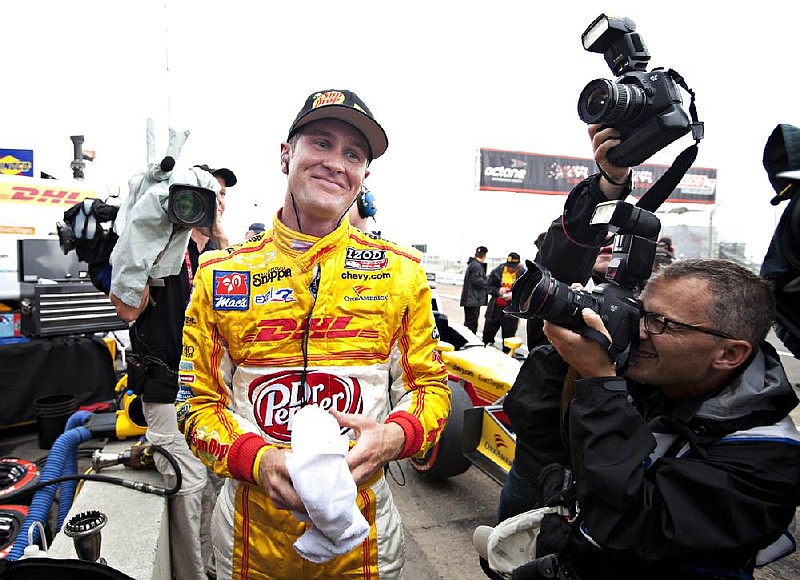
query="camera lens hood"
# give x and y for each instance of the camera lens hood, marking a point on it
(191, 206)
(522, 294)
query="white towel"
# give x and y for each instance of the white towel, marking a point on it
(323, 481)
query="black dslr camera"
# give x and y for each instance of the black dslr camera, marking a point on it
(538, 294)
(191, 206)
(644, 106)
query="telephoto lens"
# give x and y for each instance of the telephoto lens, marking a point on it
(188, 206)
(191, 206)
(538, 294)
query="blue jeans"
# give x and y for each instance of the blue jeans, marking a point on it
(520, 494)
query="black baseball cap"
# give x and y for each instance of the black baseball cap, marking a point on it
(513, 259)
(257, 227)
(228, 176)
(481, 250)
(345, 106)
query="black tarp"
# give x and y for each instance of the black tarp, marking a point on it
(79, 366)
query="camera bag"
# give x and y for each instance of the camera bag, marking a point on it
(88, 229)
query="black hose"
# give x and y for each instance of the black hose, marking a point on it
(131, 484)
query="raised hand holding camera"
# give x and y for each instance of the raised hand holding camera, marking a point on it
(629, 120)
(615, 179)
(645, 106)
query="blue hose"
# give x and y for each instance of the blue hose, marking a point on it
(67, 493)
(77, 419)
(64, 451)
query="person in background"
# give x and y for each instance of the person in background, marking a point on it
(532, 407)
(314, 312)
(254, 229)
(665, 253)
(474, 293)
(155, 334)
(665, 244)
(499, 286)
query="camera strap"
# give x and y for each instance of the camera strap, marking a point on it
(667, 183)
(596, 335)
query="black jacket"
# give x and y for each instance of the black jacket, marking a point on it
(671, 490)
(666, 487)
(533, 404)
(157, 334)
(473, 292)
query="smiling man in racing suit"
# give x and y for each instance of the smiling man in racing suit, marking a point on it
(315, 302)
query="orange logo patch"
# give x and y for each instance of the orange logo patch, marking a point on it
(329, 98)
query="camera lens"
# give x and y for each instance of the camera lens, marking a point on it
(189, 206)
(538, 294)
(607, 102)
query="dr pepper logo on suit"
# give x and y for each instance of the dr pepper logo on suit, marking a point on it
(277, 397)
(231, 290)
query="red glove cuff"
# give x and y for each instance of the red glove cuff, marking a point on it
(242, 456)
(412, 429)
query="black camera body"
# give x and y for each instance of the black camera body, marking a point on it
(192, 206)
(538, 294)
(645, 106)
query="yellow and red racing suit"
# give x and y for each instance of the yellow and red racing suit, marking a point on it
(352, 313)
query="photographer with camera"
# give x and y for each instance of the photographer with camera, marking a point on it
(668, 410)
(689, 466)
(533, 404)
(533, 407)
(156, 334)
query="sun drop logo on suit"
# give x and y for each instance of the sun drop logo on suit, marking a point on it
(231, 290)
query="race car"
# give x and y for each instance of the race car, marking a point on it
(478, 431)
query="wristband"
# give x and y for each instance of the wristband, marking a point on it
(628, 180)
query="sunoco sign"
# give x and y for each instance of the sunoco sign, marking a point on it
(16, 162)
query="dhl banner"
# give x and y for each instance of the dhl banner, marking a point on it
(42, 193)
(551, 175)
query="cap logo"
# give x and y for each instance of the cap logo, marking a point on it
(329, 98)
